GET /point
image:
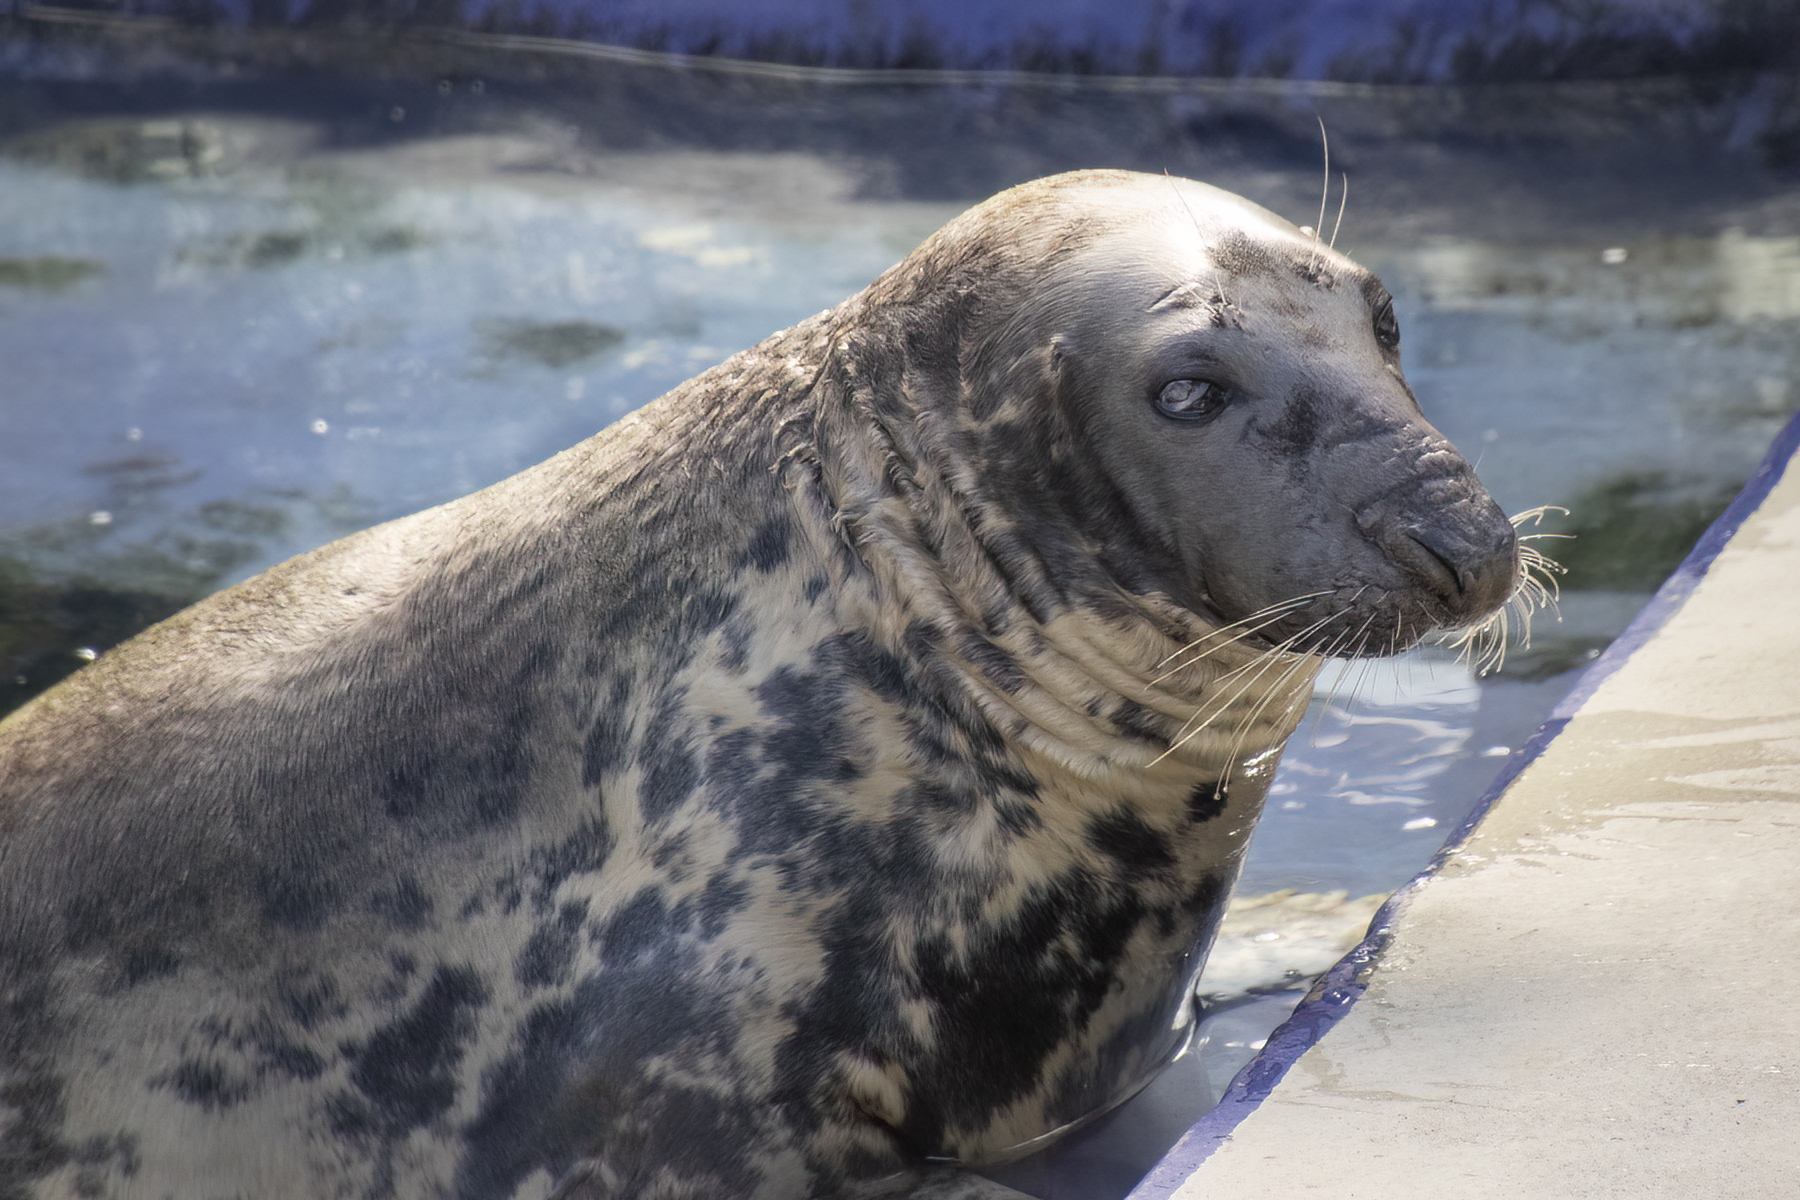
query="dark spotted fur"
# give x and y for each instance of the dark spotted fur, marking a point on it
(779, 791)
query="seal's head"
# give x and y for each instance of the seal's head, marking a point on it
(1163, 380)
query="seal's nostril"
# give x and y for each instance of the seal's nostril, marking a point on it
(1449, 577)
(1414, 551)
(1471, 566)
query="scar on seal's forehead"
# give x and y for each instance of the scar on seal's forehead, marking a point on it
(1191, 294)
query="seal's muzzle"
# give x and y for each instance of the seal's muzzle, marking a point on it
(1459, 547)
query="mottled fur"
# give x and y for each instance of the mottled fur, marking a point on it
(782, 788)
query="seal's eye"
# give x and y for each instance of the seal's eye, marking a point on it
(1191, 399)
(1387, 329)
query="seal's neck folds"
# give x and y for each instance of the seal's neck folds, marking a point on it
(1082, 676)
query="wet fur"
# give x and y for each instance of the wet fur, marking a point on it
(833, 764)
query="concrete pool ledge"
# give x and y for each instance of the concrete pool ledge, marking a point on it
(1590, 993)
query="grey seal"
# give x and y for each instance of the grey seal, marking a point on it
(821, 782)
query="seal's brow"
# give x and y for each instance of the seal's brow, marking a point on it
(1374, 292)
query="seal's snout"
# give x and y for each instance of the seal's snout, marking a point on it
(1459, 549)
(1470, 566)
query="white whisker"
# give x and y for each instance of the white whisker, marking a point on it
(1278, 688)
(1325, 189)
(1215, 706)
(1262, 617)
(1343, 198)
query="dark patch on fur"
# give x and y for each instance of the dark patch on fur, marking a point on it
(1208, 894)
(671, 770)
(517, 1129)
(740, 635)
(815, 587)
(950, 733)
(405, 1074)
(1018, 990)
(999, 666)
(548, 958)
(776, 781)
(1125, 837)
(643, 927)
(1135, 721)
(32, 1146)
(858, 992)
(610, 737)
(121, 1149)
(722, 896)
(1018, 817)
(1002, 1001)
(557, 1094)
(297, 899)
(265, 1049)
(1066, 513)
(285, 1057)
(207, 1084)
(672, 856)
(706, 610)
(921, 640)
(311, 1000)
(406, 908)
(1296, 431)
(136, 929)
(769, 545)
(481, 777)
(1206, 801)
(583, 852)
(148, 962)
(711, 1136)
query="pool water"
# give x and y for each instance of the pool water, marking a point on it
(248, 306)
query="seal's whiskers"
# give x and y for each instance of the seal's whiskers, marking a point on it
(1248, 676)
(1343, 199)
(1318, 229)
(1484, 645)
(1342, 643)
(1241, 734)
(1331, 649)
(1260, 663)
(1233, 633)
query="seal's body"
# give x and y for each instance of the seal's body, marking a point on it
(836, 766)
